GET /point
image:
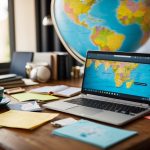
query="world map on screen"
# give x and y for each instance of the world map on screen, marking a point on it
(115, 76)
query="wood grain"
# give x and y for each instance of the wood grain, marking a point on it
(42, 139)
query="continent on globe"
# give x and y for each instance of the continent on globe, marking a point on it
(76, 8)
(104, 25)
(106, 39)
(122, 70)
(131, 12)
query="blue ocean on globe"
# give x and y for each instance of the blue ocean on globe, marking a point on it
(77, 22)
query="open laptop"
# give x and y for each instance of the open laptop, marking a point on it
(115, 88)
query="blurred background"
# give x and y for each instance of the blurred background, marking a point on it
(25, 25)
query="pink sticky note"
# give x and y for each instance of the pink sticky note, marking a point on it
(147, 117)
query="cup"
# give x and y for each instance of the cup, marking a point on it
(1, 93)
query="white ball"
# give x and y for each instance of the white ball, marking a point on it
(40, 73)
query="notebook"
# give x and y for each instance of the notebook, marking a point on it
(59, 90)
(94, 133)
(115, 88)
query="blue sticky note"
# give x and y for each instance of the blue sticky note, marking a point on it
(99, 135)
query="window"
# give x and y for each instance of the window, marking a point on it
(4, 32)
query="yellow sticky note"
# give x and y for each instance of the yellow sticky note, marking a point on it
(30, 96)
(24, 120)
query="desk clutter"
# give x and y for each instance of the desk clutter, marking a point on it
(12, 80)
(45, 93)
(27, 114)
(60, 65)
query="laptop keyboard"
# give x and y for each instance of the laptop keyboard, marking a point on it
(120, 108)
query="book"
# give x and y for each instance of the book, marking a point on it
(93, 133)
(54, 67)
(12, 82)
(7, 76)
(16, 78)
(14, 85)
(19, 61)
(64, 66)
(61, 65)
(59, 90)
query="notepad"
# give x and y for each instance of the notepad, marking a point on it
(33, 96)
(94, 133)
(25, 120)
(60, 90)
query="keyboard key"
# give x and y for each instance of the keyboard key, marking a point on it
(120, 108)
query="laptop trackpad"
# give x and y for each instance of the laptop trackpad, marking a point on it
(83, 111)
(60, 105)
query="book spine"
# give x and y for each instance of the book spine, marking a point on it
(54, 67)
(68, 67)
(61, 67)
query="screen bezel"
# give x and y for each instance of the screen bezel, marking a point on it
(114, 96)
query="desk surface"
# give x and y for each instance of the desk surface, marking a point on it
(41, 138)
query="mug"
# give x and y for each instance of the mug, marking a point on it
(1, 93)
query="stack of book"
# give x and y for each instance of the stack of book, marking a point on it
(11, 80)
(61, 65)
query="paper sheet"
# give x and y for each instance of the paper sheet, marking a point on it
(33, 96)
(24, 120)
(25, 106)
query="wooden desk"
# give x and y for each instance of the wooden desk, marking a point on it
(42, 139)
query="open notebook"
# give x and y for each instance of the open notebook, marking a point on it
(59, 90)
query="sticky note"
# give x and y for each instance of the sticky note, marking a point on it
(25, 120)
(33, 96)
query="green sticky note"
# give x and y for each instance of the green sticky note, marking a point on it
(30, 96)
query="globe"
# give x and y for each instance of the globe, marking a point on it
(104, 25)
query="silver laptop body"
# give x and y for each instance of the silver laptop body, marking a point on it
(133, 97)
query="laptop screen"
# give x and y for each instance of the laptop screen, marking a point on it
(118, 75)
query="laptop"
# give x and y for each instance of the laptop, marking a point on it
(115, 88)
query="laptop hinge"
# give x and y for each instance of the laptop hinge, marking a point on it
(119, 101)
